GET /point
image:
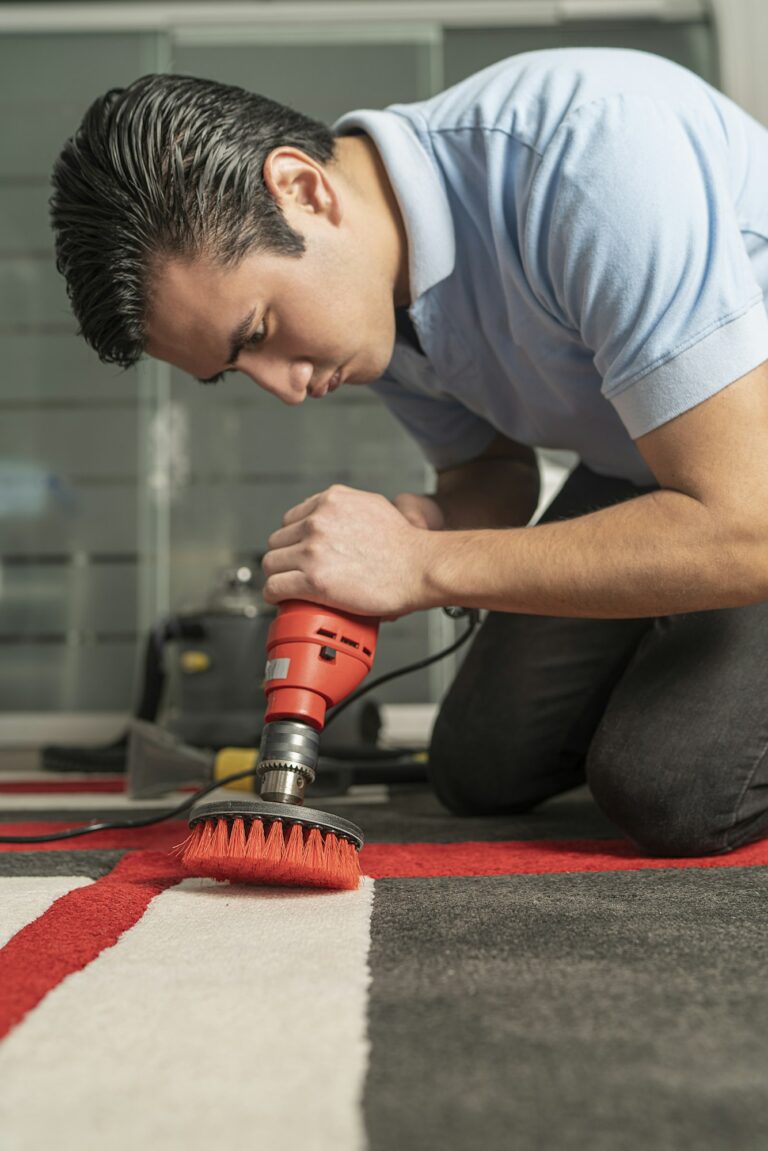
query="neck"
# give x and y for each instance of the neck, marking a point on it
(361, 165)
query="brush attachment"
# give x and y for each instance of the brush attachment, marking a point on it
(277, 844)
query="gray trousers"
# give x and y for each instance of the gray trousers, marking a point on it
(666, 719)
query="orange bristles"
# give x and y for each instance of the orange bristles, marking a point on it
(288, 855)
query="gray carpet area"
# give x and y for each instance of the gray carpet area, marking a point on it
(412, 815)
(415, 815)
(601, 1012)
(92, 864)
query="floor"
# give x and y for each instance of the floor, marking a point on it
(530, 983)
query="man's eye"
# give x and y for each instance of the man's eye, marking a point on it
(258, 336)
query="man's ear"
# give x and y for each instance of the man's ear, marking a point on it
(300, 185)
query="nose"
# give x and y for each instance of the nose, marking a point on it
(286, 379)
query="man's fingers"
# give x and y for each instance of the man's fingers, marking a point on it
(287, 585)
(307, 506)
(285, 559)
(420, 510)
(301, 511)
(407, 505)
(285, 537)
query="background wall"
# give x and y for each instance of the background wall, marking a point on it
(121, 494)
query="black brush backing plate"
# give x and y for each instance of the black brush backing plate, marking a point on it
(285, 812)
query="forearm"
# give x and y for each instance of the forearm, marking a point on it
(659, 554)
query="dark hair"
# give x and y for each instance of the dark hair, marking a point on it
(169, 166)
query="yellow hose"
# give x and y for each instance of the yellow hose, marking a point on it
(231, 760)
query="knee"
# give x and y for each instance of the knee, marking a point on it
(661, 807)
(461, 774)
(488, 771)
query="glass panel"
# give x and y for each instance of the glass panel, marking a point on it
(690, 43)
(75, 576)
(316, 76)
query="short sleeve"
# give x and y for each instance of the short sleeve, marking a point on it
(632, 240)
(447, 432)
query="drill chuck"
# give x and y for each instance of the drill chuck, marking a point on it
(287, 760)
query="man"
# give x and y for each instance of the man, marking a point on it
(567, 250)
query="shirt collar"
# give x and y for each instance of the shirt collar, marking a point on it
(419, 192)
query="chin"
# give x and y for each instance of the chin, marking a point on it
(368, 376)
(370, 362)
(377, 364)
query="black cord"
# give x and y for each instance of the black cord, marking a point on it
(455, 613)
(74, 832)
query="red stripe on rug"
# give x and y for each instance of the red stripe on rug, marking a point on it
(535, 857)
(403, 860)
(160, 837)
(75, 929)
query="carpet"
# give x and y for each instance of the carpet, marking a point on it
(532, 983)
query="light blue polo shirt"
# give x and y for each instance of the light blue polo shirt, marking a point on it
(588, 253)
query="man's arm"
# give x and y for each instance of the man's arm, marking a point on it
(701, 542)
(497, 489)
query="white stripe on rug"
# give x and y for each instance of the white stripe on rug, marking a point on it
(24, 898)
(226, 1016)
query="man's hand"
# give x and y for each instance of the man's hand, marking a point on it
(350, 550)
(497, 489)
(421, 511)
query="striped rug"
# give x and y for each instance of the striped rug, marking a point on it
(530, 983)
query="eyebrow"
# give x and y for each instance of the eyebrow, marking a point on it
(237, 339)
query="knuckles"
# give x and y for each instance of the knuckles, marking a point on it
(320, 585)
(311, 553)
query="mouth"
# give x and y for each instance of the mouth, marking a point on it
(326, 386)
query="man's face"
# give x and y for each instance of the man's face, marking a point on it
(298, 326)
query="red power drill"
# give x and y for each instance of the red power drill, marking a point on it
(316, 657)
